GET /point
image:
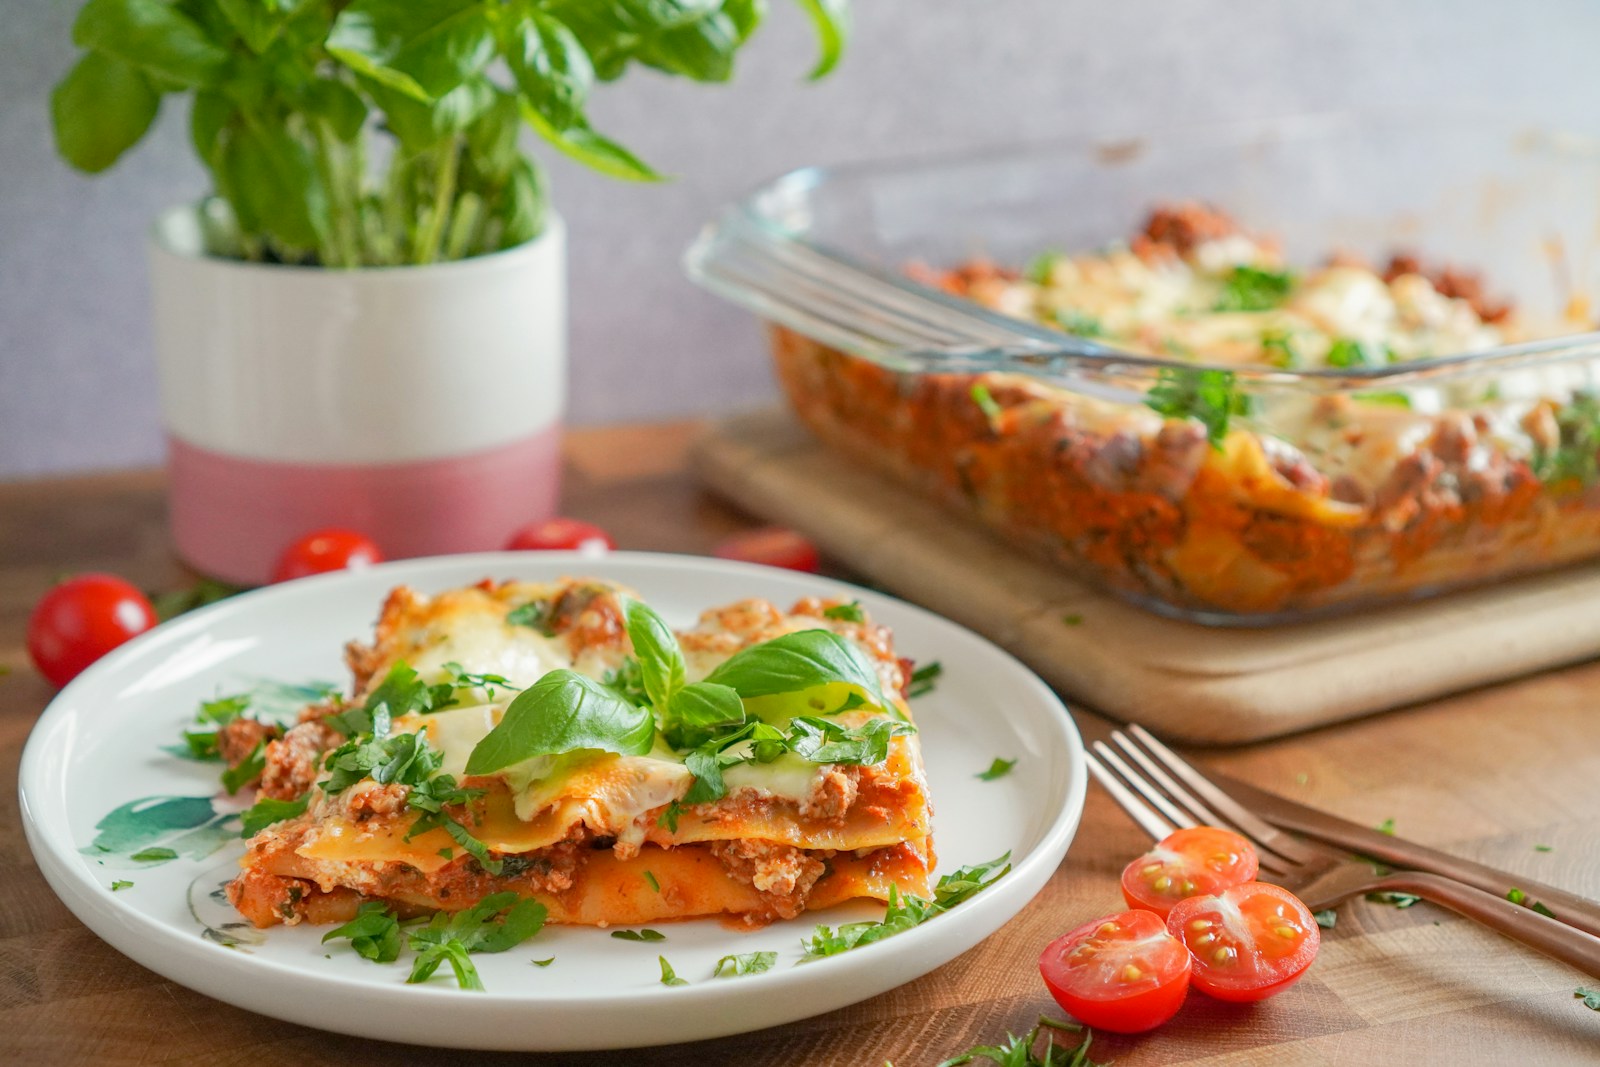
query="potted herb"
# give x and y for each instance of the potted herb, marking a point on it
(364, 326)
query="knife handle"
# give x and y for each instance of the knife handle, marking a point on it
(1549, 936)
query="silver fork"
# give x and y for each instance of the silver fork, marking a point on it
(1165, 793)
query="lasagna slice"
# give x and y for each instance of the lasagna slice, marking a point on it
(558, 741)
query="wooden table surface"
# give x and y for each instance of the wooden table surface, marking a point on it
(1489, 774)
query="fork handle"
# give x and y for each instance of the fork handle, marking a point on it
(1550, 936)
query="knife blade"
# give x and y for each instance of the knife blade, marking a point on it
(1289, 815)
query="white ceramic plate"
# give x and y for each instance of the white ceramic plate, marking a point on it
(99, 746)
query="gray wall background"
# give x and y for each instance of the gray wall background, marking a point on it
(77, 380)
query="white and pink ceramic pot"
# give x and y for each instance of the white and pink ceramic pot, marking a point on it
(419, 405)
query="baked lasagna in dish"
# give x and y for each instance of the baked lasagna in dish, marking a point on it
(1274, 455)
(559, 741)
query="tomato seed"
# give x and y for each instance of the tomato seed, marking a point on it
(1130, 973)
(1285, 931)
(1200, 924)
(1223, 955)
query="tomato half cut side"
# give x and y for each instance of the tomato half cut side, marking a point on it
(1249, 942)
(1124, 973)
(1194, 860)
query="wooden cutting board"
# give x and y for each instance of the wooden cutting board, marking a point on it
(1193, 683)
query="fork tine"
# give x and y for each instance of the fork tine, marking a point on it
(1149, 793)
(1141, 813)
(1201, 815)
(1265, 836)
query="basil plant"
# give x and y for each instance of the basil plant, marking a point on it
(384, 132)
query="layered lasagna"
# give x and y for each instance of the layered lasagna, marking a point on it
(559, 741)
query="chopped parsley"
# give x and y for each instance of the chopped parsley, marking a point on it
(669, 816)
(1247, 288)
(1020, 1051)
(267, 811)
(1517, 896)
(374, 933)
(750, 963)
(1041, 267)
(460, 678)
(986, 403)
(206, 591)
(1576, 455)
(650, 880)
(1543, 848)
(1207, 396)
(923, 679)
(121, 883)
(1394, 400)
(1079, 323)
(1327, 918)
(1279, 349)
(202, 744)
(154, 855)
(668, 975)
(1347, 352)
(850, 612)
(998, 769)
(246, 770)
(1399, 900)
(639, 935)
(904, 912)
(497, 923)
(535, 615)
(1386, 826)
(1072, 620)
(544, 962)
(1590, 997)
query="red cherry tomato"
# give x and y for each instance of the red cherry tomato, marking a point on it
(559, 533)
(326, 550)
(776, 546)
(1198, 859)
(1123, 973)
(81, 620)
(1249, 942)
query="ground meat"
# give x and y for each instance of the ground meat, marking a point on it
(832, 794)
(783, 874)
(1183, 226)
(367, 798)
(293, 761)
(239, 738)
(1452, 282)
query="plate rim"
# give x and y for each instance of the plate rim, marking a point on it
(362, 1007)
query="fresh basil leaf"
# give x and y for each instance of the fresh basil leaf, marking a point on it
(552, 69)
(796, 662)
(750, 963)
(700, 712)
(702, 50)
(154, 36)
(561, 712)
(258, 22)
(424, 48)
(100, 110)
(592, 149)
(340, 106)
(655, 646)
(831, 19)
(269, 810)
(272, 183)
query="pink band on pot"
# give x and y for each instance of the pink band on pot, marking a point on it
(233, 517)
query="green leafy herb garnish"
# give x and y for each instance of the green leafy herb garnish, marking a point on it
(120, 884)
(460, 678)
(535, 615)
(998, 769)
(1543, 848)
(668, 975)
(1517, 896)
(638, 935)
(153, 855)
(497, 923)
(1080, 323)
(851, 612)
(650, 880)
(751, 963)
(1394, 400)
(401, 692)
(1576, 454)
(1207, 396)
(799, 661)
(1072, 620)
(669, 816)
(267, 810)
(374, 933)
(1041, 266)
(986, 403)
(904, 912)
(1327, 918)
(171, 604)
(561, 712)
(1247, 288)
(202, 744)
(1386, 826)
(923, 679)
(1347, 352)
(1279, 349)
(1399, 900)
(1590, 997)
(1020, 1051)
(544, 962)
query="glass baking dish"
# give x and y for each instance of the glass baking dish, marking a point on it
(1071, 447)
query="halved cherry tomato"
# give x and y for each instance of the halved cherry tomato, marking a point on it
(776, 546)
(1123, 973)
(1198, 859)
(81, 620)
(1249, 942)
(559, 533)
(327, 550)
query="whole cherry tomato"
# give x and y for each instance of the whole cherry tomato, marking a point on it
(327, 550)
(1194, 860)
(560, 533)
(776, 546)
(1125, 973)
(81, 620)
(1248, 942)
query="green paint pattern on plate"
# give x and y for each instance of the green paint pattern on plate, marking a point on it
(155, 830)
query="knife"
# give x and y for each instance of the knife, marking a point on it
(1288, 815)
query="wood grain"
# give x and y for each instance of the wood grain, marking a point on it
(1196, 683)
(1489, 773)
